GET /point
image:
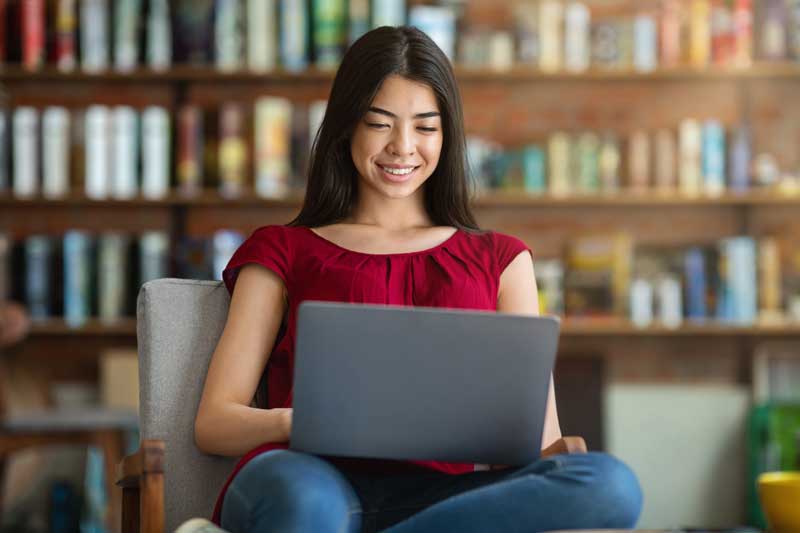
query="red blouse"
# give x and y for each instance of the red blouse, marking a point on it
(462, 272)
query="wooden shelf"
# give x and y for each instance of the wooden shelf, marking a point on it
(491, 199)
(209, 74)
(611, 327)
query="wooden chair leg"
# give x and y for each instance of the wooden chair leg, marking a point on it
(112, 442)
(130, 510)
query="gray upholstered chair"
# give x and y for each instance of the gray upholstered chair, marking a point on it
(170, 480)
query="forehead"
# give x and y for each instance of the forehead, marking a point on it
(405, 97)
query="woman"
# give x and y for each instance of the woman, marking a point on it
(385, 220)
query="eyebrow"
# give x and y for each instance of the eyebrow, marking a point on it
(380, 111)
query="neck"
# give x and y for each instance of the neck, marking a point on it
(392, 214)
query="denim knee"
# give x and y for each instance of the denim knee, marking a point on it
(616, 488)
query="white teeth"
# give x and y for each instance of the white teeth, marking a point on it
(399, 171)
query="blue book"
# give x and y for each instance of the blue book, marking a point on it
(533, 171)
(713, 157)
(740, 155)
(743, 279)
(77, 277)
(695, 271)
(38, 278)
(388, 13)
(294, 35)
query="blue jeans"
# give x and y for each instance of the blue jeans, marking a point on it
(290, 492)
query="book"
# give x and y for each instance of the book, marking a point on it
(66, 26)
(95, 39)
(26, 153)
(793, 23)
(551, 20)
(159, 35)
(700, 33)
(294, 35)
(549, 275)
(641, 302)
(500, 51)
(577, 19)
(439, 23)
(388, 13)
(329, 23)
(193, 32)
(665, 161)
(670, 33)
(39, 277)
(690, 155)
(598, 275)
(645, 43)
(3, 31)
(232, 150)
(669, 301)
(112, 276)
(33, 34)
(5, 135)
(713, 154)
(558, 159)
(272, 142)
(770, 282)
(533, 169)
(587, 152)
(639, 161)
(228, 32)
(738, 281)
(773, 35)
(98, 152)
(526, 29)
(155, 152)
(742, 55)
(224, 245)
(153, 256)
(609, 161)
(358, 19)
(190, 150)
(776, 372)
(262, 35)
(55, 152)
(696, 276)
(607, 43)
(127, 17)
(740, 157)
(125, 140)
(722, 33)
(78, 273)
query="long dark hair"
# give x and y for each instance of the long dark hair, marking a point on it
(332, 181)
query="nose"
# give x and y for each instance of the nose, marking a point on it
(402, 142)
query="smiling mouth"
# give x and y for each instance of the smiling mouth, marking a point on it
(402, 171)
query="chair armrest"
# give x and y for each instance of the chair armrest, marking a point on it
(141, 477)
(565, 445)
(148, 459)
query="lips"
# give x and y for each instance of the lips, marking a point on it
(397, 173)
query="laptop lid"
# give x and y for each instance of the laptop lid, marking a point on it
(419, 383)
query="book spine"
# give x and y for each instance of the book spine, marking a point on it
(153, 256)
(793, 8)
(358, 13)
(124, 184)
(700, 33)
(127, 15)
(66, 25)
(721, 33)
(609, 164)
(94, 35)
(713, 158)
(670, 35)
(740, 159)
(232, 150)
(272, 142)
(388, 13)
(690, 157)
(329, 18)
(77, 277)
(645, 47)
(666, 175)
(55, 152)
(98, 152)
(696, 284)
(224, 244)
(112, 276)
(641, 302)
(38, 278)
(588, 153)
(4, 142)
(33, 28)
(743, 33)
(190, 150)
(159, 36)
(670, 301)
(770, 280)
(606, 44)
(533, 170)
(26, 156)
(558, 156)
(3, 30)
(744, 280)
(155, 152)
(639, 161)
(261, 35)
(439, 23)
(773, 37)
(294, 35)
(550, 24)
(577, 20)
(228, 35)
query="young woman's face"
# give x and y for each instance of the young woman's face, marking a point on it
(396, 145)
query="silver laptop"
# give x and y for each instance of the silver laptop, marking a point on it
(394, 382)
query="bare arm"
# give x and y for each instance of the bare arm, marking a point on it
(226, 424)
(518, 294)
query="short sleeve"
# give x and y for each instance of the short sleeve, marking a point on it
(506, 249)
(268, 246)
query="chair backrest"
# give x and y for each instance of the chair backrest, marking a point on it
(178, 325)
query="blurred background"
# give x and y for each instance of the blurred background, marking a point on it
(647, 150)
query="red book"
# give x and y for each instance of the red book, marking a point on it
(190, 150)
(3, 35)
(65, 35)
(722, 36)
(670, 33)
(743, 33)
(32, 34)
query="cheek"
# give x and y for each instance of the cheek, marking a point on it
(431, 150)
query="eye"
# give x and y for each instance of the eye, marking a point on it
(377, 125)
(427, 130)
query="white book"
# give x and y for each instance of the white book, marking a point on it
(112, 274)
(155, 152)
(159, 36)
(126, 40)
(576, 38)
(550, 33)
(690, 172)
(645, 43)
(98, 152)
(153, 256)
(228, 35)
(95, 38)
(224, 245)
(55, 152)
(262, 32)
(125, 178)
(26, 155)
(4, 135)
